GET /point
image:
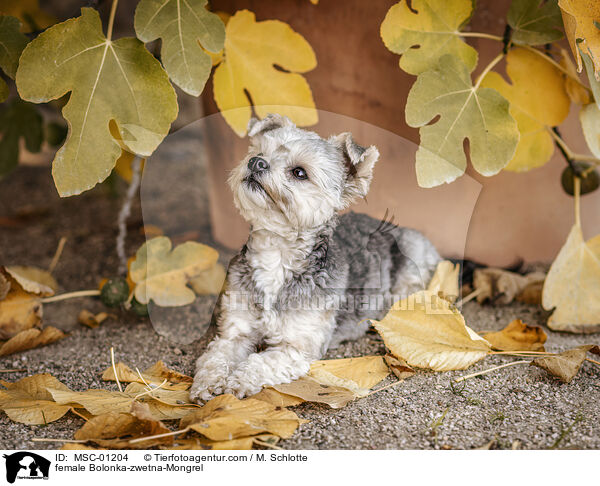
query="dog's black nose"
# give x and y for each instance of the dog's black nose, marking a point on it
(257, 164)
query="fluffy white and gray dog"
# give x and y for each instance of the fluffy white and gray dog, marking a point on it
(307, 279)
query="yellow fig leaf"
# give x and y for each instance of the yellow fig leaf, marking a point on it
(161, 274)
(27, 401)
(463, 111)
(426, 30)
(274, 397)
(252, 50)
(29, 339)
(109, 81)
(589, 116)
(209, 282)
(428, 332)
(577, 92)
(581, 19)
(226, 418)
(185, 27)
(538, 101)
(445, 280)
(517, 336)
(29, 12)
(571, 287)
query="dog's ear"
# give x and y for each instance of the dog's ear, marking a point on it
(270, 122)
(359, 162)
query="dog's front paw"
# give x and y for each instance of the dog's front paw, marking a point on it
(210, 380)
(241, 385)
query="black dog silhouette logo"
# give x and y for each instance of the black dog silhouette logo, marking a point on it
(26, 465)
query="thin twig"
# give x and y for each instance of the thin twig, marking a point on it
(13, 371)
(71, 441)
(57, 254)
(518, 353)
(125, 212)
(577, 193)
(79, 414)
(485, 372)
(469, 297)
(150, 390)
(70, 295)
(383, 388)
(114, 367)
(569, 155)
(158, 436)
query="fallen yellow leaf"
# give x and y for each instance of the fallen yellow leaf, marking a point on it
(518, 336)
(444, 282)
(502, 286)
(88, 319)
(571, 287)
(428, 332)
(33, 280)
(155, 375)
(19, 310)
(209, 282)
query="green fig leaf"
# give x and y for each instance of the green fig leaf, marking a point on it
(185, 27)
(535, 23)
(116, 83)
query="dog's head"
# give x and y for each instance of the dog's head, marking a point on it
(292, 179)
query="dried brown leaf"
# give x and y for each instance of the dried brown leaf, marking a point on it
(19, 310)
(311, 390)
(154, 375)
(29, 339)
(27, 401)
(4, 286)
(226, 418)
(115, 430)
(276, 398)
(502, 286)
(88, 319)
(564, 365)
(518, 336)
(399, 367)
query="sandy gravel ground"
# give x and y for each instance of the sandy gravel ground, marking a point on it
(514, 407)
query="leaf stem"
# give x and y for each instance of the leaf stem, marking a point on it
(13, 370)
(487, 69)
(481, 35)
(577, 193)
(485, 372)
(568, 154)
(114, 367)
(266, 444)
(57, 254)
(111, 20)
(70, 295)
(159, 436)
(593, 361)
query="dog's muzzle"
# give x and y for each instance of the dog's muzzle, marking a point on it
(257, 164)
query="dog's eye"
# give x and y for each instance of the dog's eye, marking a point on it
(300, 173)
